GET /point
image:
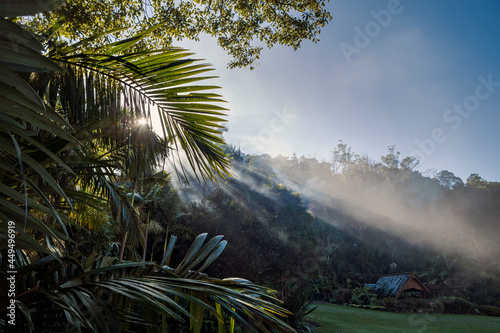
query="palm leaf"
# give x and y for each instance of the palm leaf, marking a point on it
(163, 79)
(93, 292)
(11, 8)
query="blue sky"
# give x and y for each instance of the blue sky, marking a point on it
(426, 79)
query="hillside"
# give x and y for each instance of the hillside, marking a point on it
(326, 226)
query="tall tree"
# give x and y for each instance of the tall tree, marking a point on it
(449, 180)
(236, 24)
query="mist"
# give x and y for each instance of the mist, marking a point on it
(399, 202)
(450, 225)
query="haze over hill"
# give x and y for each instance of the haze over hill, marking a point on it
(366, 214)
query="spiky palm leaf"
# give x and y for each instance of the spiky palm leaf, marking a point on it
(117, 83)
(23, 116)
(99, 293)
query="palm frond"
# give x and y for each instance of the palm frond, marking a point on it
(96, 291)
(11, 8)
(110, 82)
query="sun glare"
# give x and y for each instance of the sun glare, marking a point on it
(142, 121)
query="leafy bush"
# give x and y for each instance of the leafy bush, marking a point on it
(489, 310)
(363, 296)
(410, 305)
(455, 305)
(343, 296)
(378, 302)
(449, 305)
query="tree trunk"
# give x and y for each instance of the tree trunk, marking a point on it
(122, 248)
(145, 239)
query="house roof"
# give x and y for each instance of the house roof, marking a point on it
(394, 285)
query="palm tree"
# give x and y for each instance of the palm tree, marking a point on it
(65, 138)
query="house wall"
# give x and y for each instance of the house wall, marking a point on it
(412, 284)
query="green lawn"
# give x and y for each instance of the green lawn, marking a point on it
(335, 318)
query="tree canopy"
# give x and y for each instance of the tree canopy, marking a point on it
(242, 28)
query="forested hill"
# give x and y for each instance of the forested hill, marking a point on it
(327, 225)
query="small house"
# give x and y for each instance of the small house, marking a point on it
(395, 284)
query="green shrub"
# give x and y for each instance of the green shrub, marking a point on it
(378, 302)
(489, 310)
(455, 305)
(363, 296)
(449, 305)
(410, 305)
(343, 296)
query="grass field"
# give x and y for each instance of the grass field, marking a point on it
(335, 318)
